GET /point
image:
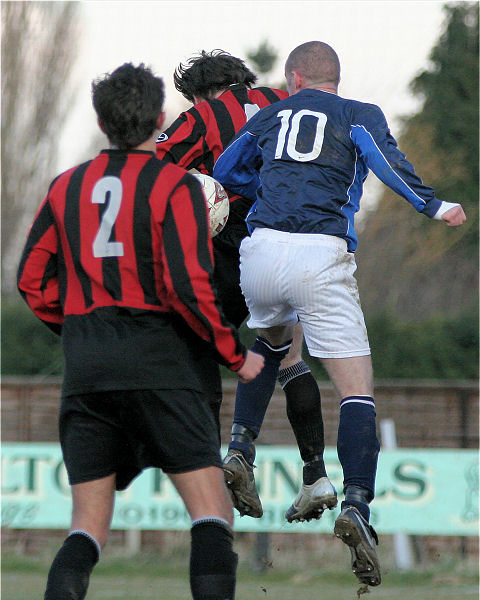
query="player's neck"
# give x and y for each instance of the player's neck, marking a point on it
(148, 145)
(325, 87)
(210, 96)
(330, 90)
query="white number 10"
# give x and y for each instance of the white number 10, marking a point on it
(108, 189)
(291, 139)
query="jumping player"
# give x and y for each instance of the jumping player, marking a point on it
(220, 87)
(311, 154)
(119, 262)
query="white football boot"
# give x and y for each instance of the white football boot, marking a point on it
(312, 500)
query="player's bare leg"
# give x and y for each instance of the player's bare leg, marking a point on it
(91, 517)
(357, 447)
(92, 509)
(295, 352)
(350, 376)
(204, 493)
(213, 563)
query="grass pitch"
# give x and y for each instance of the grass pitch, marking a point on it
(150, 577)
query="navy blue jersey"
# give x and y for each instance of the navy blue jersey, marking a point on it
(304, 160)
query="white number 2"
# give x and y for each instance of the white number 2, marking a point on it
(250, 110)
(108, 189)
(291, 139)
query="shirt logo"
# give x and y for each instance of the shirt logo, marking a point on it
(163, 137)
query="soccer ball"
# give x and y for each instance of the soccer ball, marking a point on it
(217, 202)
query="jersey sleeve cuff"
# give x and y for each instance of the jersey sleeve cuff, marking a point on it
(432, 207)
(237, 365)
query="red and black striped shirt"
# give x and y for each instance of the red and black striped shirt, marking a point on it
(198, 136)
(119, 248)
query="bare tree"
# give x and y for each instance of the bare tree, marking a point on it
(38, 49)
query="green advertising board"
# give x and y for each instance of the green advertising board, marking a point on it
(419, 491)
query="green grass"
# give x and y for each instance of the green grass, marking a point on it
(151, 577)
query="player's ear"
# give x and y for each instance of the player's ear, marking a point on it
(160, 120)
(100, 125)
(299, 80)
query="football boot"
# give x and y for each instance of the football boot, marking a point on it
(241, 484)
(361, 539)
(312, 500)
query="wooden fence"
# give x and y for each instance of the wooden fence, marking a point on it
(427, 414)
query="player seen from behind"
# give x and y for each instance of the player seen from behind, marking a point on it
(119, 263)
(220, 86)
(304, 161)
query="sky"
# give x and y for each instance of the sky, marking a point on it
(382, 45)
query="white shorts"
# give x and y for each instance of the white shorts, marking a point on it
(290, 277)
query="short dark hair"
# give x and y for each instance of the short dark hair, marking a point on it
(128, 102)
(316, 61)
(210, 72)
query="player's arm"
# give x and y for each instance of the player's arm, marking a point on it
(182, 143)
(187, 260)
(237, 168)
(379, 150)
(37, 276)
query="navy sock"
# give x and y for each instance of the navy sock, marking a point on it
(69, 574)
(252, 398)
(213, 563)
(357, 443)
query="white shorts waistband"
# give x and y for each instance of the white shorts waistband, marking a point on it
(319, 239)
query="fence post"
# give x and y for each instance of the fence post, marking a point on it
(262, 550)
(401, 541)
(133, 542)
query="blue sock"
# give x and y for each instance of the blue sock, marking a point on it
(357, 443)
(252, 398)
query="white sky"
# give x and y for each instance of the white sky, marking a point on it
(382, 45)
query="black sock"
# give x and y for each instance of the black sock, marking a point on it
(304, 411)
(313, 470)
(69, 574)
(213, 564)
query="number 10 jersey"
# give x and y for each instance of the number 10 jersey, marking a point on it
(304, 160)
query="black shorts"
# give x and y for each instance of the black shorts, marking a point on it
(124, 432)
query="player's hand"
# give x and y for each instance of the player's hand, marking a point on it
(454, 216)
(251, 367)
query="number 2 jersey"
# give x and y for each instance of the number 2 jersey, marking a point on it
(119, 261)
(198, 136)
(304, 161)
